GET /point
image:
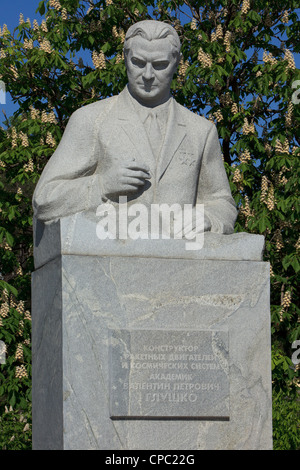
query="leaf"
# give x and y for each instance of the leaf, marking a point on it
(296, 265)
(78, 28)
(264, 221)
(9, 238)
(12, 399)
(41, 8)
(9, 288)
(11, 214)
(106, 47)
(253, 15)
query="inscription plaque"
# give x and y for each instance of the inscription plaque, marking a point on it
(169, 374)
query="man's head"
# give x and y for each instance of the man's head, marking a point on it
(152, 54)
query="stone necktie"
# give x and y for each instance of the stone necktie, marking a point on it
(154, 132)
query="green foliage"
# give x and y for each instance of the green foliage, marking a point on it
(15, 429)
(286, 422)
(237, 70)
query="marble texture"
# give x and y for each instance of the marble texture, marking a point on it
(100, 306)
(79, 299)
(109, 150)
(161, 374)
(77, 235)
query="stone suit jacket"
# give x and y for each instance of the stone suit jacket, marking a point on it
(188, 170)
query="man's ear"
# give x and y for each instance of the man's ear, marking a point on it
(125, 58)
(179, 58)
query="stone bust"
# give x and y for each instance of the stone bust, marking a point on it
(140, 144)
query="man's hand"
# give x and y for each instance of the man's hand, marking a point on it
(124, 178)
(194, 229)
(197, 223)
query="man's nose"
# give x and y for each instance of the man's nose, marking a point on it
(148, 72)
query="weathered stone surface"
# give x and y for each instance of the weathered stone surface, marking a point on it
(47, 348)
(77, 235)
(141, 144)
(94, 301)
(169, 373)
(78, 300)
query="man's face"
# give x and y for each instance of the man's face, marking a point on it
(150, 69)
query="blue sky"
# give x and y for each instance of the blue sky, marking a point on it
(10, 13)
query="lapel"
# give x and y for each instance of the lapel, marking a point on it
(175, 133)
(135, 130)
(133, 127)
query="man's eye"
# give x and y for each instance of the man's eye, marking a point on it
(138, 63)
(160, 65)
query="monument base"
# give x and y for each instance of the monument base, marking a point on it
(141, 352)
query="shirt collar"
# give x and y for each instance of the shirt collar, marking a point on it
(161, 110)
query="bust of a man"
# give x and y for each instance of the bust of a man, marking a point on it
(140, 144)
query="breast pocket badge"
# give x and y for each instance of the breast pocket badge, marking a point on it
(186, 158)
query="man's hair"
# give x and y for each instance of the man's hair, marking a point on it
(153, 30)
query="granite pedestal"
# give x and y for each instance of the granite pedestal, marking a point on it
(145, 345)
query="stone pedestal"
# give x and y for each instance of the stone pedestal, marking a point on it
(144, 345)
